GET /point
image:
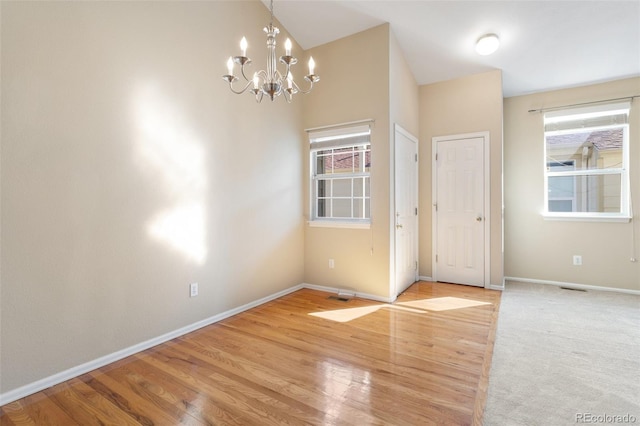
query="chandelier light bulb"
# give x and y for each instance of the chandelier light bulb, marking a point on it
(255, 80)
(487, 44)
(287, 47)
(243, 46)
(312, 65)
(230, 65)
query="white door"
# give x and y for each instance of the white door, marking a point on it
(406, 209)
(459, 206)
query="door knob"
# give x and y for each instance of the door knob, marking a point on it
(479, 218)
(398, 226)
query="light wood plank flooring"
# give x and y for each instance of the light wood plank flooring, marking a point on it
(278, 365)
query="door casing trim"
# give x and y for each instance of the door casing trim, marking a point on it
(392, 208)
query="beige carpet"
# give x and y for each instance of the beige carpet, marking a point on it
(564, 357)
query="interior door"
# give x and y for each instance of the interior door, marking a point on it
(459, 209)
(406, 209)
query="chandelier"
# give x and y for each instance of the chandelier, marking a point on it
(270, 82)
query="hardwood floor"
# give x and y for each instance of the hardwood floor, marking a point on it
(277, 365)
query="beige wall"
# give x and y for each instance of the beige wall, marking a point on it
(465, 105)
(129, 170)
(404, 94)
(354, 86)
(543, 249)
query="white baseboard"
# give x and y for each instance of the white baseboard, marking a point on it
(490, 286)
(573, 285)
(47, 382)
(347, 291)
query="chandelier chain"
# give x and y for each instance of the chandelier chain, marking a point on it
(271, 10)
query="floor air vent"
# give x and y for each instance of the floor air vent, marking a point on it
(573, 289)
(340, 298)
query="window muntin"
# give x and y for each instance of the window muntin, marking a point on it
(340, 175)
(586, 162)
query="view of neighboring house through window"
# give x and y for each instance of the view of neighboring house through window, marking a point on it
(587, 162)
(340, 174)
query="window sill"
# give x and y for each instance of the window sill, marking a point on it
(338, 224)
(586, 218)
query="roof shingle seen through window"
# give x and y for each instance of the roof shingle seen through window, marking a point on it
(602, 140)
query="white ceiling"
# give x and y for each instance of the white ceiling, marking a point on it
(545, 45)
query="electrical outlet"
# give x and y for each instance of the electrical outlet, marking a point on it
(193, 289)
(577, 260)
(332, 264)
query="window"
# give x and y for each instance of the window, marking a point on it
(587, 162)
(340, 175)
(562, 189)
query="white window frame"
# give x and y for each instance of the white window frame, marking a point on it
(582, 119)
(351, 136)
(573, 198)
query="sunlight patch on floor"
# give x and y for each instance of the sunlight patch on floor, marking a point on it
(416, 306)
(443, 303)
(349, 314)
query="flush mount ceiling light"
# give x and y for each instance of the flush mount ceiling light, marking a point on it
(270, 82)
(487, 44)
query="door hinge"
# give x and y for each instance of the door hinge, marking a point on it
(436, 206)
(436, 257)
(436, 156)
(416, 158)
(416, 211)
(416, 265)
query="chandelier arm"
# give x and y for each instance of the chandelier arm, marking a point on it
(295, 86)
(299, 89)
(239, 92)
(243, 74)
(287, 68)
